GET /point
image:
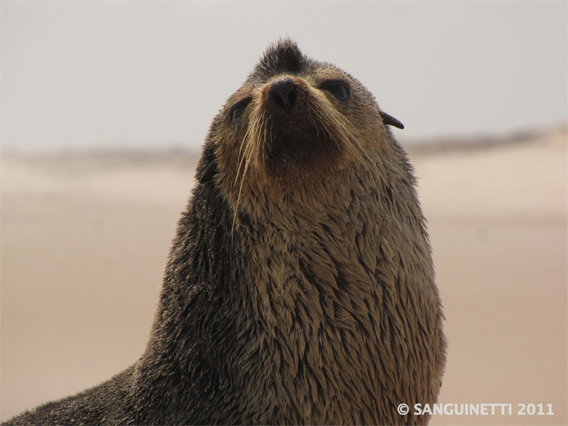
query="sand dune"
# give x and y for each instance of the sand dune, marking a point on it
(85, 239)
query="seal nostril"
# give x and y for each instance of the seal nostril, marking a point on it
(284, 92)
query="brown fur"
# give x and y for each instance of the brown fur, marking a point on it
(339, 257)
(300, 287)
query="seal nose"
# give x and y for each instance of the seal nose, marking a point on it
(284, 92)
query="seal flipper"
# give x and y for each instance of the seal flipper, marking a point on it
(389, 120)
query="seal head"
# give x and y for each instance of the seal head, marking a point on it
(295, 122)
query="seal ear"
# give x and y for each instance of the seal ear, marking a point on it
(389, 120)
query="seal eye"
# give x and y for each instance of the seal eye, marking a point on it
(338, 88)
(238, 109)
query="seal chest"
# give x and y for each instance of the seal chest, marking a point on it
(300, 286)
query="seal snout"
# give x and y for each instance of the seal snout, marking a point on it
(294, 126)
(284, 92)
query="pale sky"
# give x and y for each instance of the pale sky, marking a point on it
(154, 74)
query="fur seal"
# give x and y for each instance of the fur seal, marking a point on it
(300, 285)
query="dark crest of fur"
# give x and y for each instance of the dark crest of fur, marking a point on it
(283, 57)
(308, 299)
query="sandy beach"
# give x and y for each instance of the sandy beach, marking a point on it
(85, 236)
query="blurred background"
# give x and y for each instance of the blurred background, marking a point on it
(104, 107)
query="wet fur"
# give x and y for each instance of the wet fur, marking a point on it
(294, 293)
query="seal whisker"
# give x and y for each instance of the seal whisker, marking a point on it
(267, 139)
(244, 144)
(336, 120)
(250, 149)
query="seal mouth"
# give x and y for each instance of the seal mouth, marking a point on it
(304, 145)
(296, 130)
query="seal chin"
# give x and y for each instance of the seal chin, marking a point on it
(295, 130)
